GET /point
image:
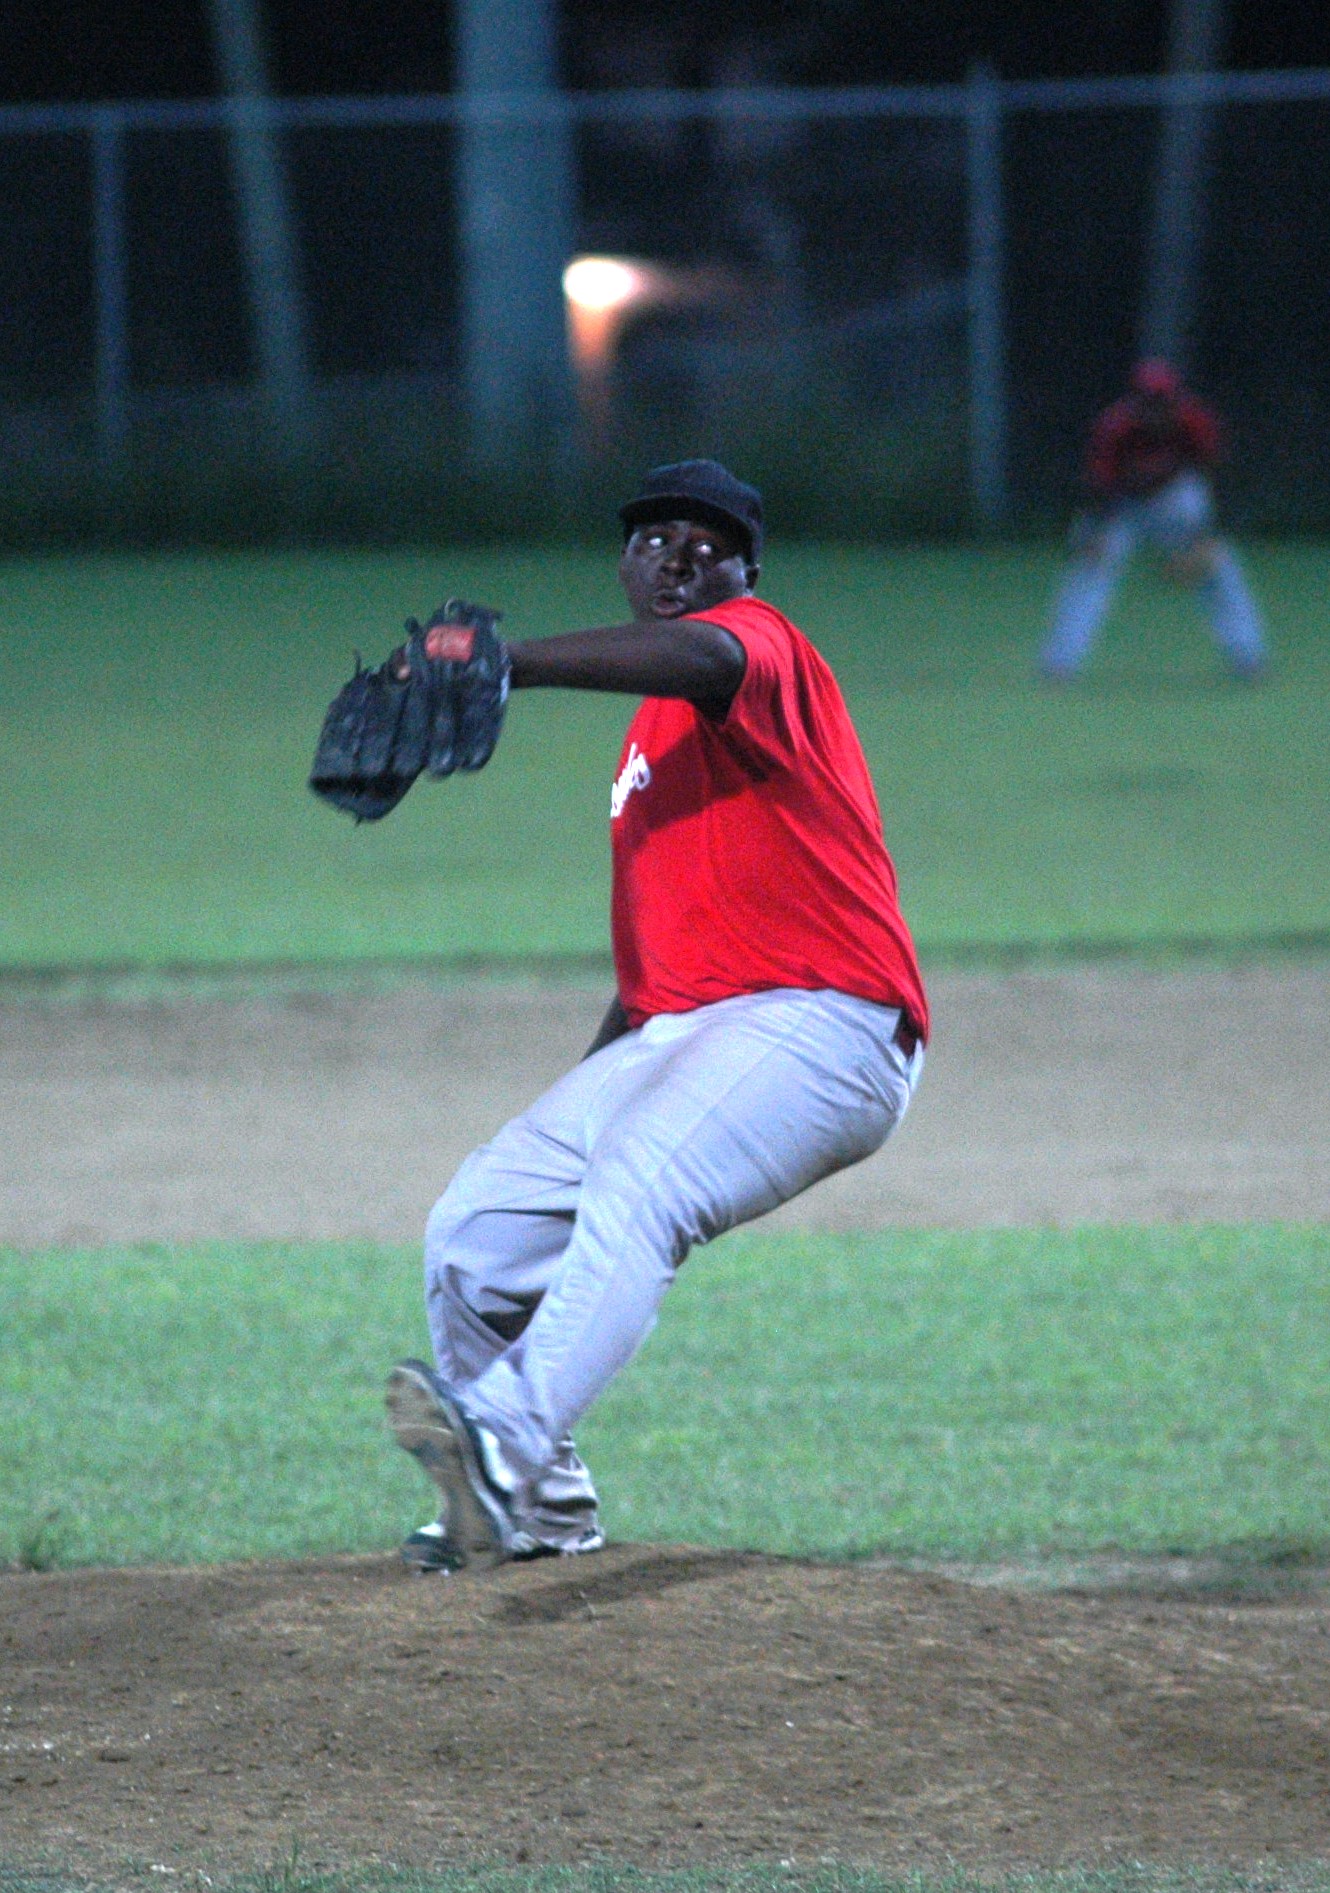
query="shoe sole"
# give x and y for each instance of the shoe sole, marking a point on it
(430, 1550)
(531, 1549)
(431, 1558)
(428, 1426)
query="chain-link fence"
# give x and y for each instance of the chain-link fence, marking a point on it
(898, 309)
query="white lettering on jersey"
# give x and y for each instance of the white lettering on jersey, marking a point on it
(635, 774)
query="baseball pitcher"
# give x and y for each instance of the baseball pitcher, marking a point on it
(768, 1026)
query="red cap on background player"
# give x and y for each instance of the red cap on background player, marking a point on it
(1157, 377)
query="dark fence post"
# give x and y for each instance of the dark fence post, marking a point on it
(987, 345)
(515, 180)
(110, 291)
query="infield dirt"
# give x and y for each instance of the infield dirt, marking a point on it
(658, 1705)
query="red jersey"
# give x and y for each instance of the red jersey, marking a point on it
(1133, 455)
(748, 852)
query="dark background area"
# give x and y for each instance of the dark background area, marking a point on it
(814, 368)
(82, 50)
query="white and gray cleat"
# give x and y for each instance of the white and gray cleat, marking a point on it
(463, 1459)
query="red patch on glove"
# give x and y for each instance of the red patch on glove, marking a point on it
(450, 643)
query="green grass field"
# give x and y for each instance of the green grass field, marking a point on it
(958, 1395)
(159, 715)
(291, 1876)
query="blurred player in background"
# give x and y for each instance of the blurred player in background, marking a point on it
(1149, 462)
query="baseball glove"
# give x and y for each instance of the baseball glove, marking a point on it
(436, 705)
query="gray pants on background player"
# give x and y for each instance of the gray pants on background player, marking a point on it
(1178, 523)
(548, 1256)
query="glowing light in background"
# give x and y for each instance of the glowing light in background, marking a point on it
(597, 283)
(601, 294)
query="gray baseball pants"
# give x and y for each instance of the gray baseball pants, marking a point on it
(548, 1256)
(1176, 519)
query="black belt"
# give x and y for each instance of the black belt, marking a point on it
(906, 1035)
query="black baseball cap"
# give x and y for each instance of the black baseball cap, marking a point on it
(702, 490)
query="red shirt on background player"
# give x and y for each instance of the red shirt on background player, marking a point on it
(1149, 436)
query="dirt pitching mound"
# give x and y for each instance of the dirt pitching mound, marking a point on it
(655, 1706)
